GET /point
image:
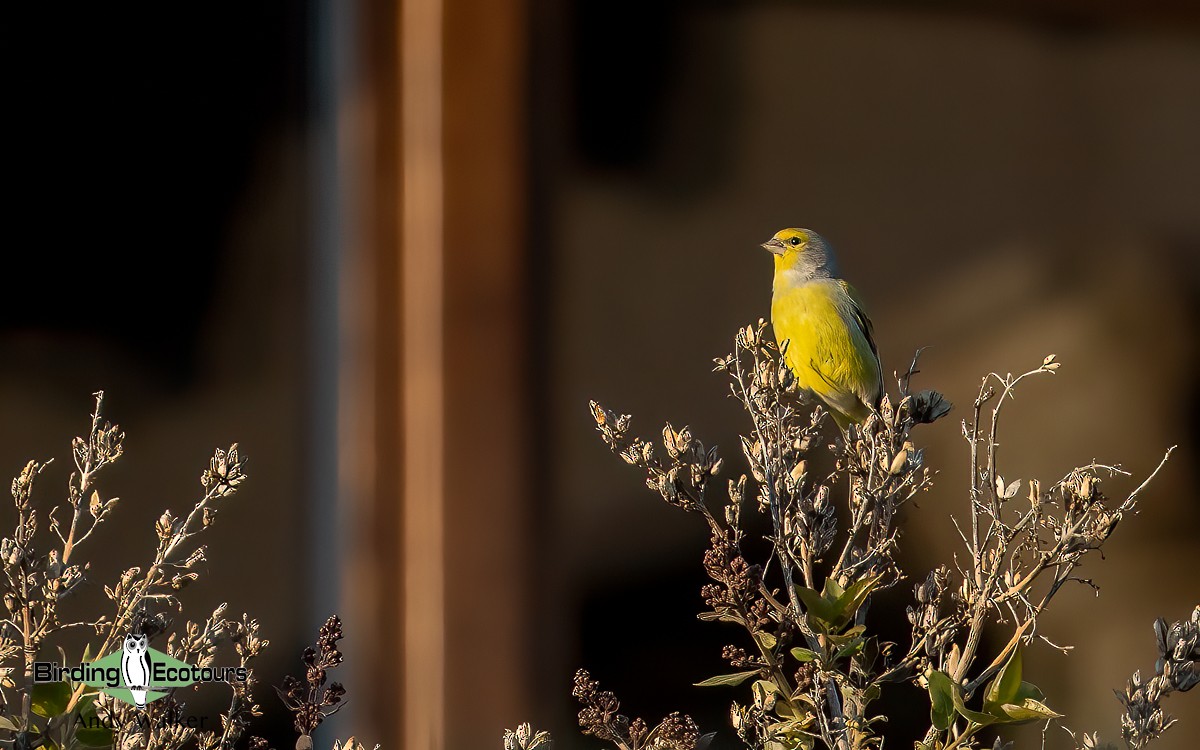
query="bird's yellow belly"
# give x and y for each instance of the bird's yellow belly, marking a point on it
(827, 352)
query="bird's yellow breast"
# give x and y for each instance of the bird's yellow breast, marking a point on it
(828, 350)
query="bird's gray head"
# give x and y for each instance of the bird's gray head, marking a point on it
(802, 254)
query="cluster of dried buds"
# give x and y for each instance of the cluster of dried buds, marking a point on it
(737, 595)
(600, 717)
(524, 738)
(931, 628)
(309, 699)
(224, 473)
(682, 478)
(1175, 671)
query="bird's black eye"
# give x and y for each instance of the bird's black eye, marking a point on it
(795, 241)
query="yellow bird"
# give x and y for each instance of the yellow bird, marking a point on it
(829, 338)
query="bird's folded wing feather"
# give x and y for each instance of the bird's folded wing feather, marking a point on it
(867, 330)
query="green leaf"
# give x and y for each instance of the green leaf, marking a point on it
(803, 654)
(848, 636)
(849, 649)
(871, 693)
(1003, 687)
(941, 700)
(977, 717)
(1028, 710)
(50, 698)
(816, 606)
(1029, 690)
(87, 705)
(736, 678)
(6, 723)
(87, 654)
(792, 731)
(832, 590)
(785, 710)
(724, 615)
(765, 693)
(767, 640)
(767, 687)
(847, 603)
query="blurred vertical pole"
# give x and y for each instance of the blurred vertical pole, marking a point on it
(437, 394)
(370, 469)
(330, 192)
(489, 495)
(423, 370)
(344, 364)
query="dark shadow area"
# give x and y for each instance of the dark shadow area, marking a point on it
(154, 172)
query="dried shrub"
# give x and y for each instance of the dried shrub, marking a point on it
(810, 655)
(41, 572)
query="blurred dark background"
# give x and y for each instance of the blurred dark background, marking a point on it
(230, 218)
(156, 236)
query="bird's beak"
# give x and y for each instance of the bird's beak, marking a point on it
(773, 245)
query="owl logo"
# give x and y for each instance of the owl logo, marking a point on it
(135, 668)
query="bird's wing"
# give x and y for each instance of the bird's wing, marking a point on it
(859, 316)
